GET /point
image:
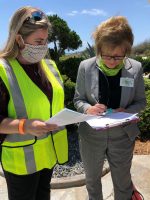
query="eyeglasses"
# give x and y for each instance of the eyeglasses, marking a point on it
(116, 58)
(35, 16)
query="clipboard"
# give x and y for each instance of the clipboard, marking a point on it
(113, 119)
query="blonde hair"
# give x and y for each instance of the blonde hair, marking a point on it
(17, 26)
(114, 32)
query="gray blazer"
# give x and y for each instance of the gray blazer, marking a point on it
(87, 87)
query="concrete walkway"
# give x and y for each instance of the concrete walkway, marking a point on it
(140, 175)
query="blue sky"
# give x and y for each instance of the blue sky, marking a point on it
(83, 16)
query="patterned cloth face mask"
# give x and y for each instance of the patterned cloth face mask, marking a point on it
(34, 53)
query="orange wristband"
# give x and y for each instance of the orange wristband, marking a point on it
(21, 126)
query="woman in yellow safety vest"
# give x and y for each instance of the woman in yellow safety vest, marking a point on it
(31, 91)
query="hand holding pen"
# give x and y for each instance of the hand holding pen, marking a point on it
(97, 109)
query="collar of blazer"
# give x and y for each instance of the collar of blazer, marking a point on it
(127, 63)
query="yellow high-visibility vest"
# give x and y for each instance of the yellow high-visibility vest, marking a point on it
(28, 101)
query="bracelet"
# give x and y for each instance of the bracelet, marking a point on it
(21, 126)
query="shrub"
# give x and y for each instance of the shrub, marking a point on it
(147, 84)
(144, 123)
(69, 88)
(145, 63)
(69, 67)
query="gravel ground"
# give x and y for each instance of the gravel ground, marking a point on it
(74, 166)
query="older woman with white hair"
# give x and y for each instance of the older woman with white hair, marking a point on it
(113, 81)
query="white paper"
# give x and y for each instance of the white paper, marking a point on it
(67, 116)
(112, 119)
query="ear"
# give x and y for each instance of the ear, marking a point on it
(19, 40)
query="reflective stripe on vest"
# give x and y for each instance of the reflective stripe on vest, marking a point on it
(20, 108)
(51, 67)
(15, 91)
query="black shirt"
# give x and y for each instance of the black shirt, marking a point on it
(110, 90)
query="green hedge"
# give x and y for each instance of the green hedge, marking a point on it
(69, 67)
(145, 63)
(69, 88)
(144, 123)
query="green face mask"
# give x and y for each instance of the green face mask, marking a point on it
(107, 71)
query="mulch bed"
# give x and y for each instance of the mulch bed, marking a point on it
(142, 148)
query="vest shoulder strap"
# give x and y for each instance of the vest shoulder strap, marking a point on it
(52, 67)
(15, 90)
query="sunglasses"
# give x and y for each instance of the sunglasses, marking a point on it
(35, 16)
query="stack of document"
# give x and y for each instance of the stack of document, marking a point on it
(67, 116)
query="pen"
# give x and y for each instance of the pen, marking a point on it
(95, 99)
(108, 111)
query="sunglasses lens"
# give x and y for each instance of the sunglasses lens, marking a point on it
(37, 16)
